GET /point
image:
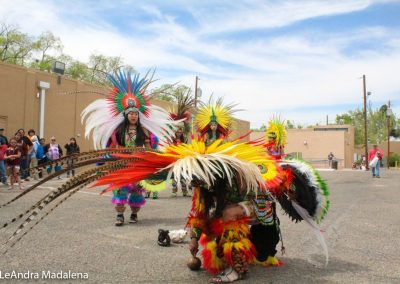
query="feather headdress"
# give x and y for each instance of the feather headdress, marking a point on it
(215, 112)
(184, 104)
(196, 161)
(128, 93)
(276, 129)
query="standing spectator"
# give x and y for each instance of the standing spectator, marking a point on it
(177, 140)
(3, 139)
(41, 154)
(53, 152)
(13, 156)
(3, 149)
(32, 133)
(26, 148)
(363, 162)
(72, 148)
(330, 159)
(375, 156)
(34, 155)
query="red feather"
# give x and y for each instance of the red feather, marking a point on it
(148, 164)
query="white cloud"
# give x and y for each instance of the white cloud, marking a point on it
(283, 72)
(241, 15)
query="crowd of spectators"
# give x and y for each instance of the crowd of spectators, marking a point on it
(21, 154)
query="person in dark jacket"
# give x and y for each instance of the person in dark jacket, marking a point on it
(72, 148)
(3, 139)
(26, 148)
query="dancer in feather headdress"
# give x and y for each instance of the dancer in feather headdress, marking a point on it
(222, 176)
(213, 120)
(229, 193)
(182, 113)
(276, 137)
(185, 104)
(265, 234)
(127, 119)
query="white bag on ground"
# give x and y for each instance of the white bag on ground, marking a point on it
(177, 236)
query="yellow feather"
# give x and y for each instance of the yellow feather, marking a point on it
(222, 114)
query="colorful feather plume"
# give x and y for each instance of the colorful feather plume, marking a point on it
(276, 129)
(309, 190)
(196, 160)
(215, 112)
(103, 116)
(211, 262)
(184, 104)
(236, 237)
(271, 173)
(218, 253)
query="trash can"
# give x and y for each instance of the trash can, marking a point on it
(334, 164)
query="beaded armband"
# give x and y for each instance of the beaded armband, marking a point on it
(196, 233)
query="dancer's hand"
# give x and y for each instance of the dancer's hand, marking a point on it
(193, 246)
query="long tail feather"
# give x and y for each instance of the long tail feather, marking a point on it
(34, 214)
(73, 182)
(83, 159)
(78, 165)
(314, 227)
(95, 174)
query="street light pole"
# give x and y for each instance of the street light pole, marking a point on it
(365, 123)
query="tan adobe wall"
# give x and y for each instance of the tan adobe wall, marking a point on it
(19, 105)
(315, 146)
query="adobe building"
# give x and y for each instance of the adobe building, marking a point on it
(314, 144)
(25, 92)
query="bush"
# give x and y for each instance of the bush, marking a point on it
(394, 157)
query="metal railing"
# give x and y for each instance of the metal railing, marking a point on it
(317, 162)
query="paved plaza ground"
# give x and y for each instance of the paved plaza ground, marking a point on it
(362, 231)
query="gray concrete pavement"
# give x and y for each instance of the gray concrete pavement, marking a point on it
(362, 231)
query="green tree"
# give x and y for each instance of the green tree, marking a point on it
(262, 128)
(78, 70)
(48, 48)
(376, 121)
(100, 65)
(15, 47)
(41, 53)
(170, 92)
(289, 124)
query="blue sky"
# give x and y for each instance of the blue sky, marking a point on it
(301, 60)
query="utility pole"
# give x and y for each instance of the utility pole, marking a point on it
(365, 123)
(327, 120)
(388, 115)
(195, 100)
(195, 92)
